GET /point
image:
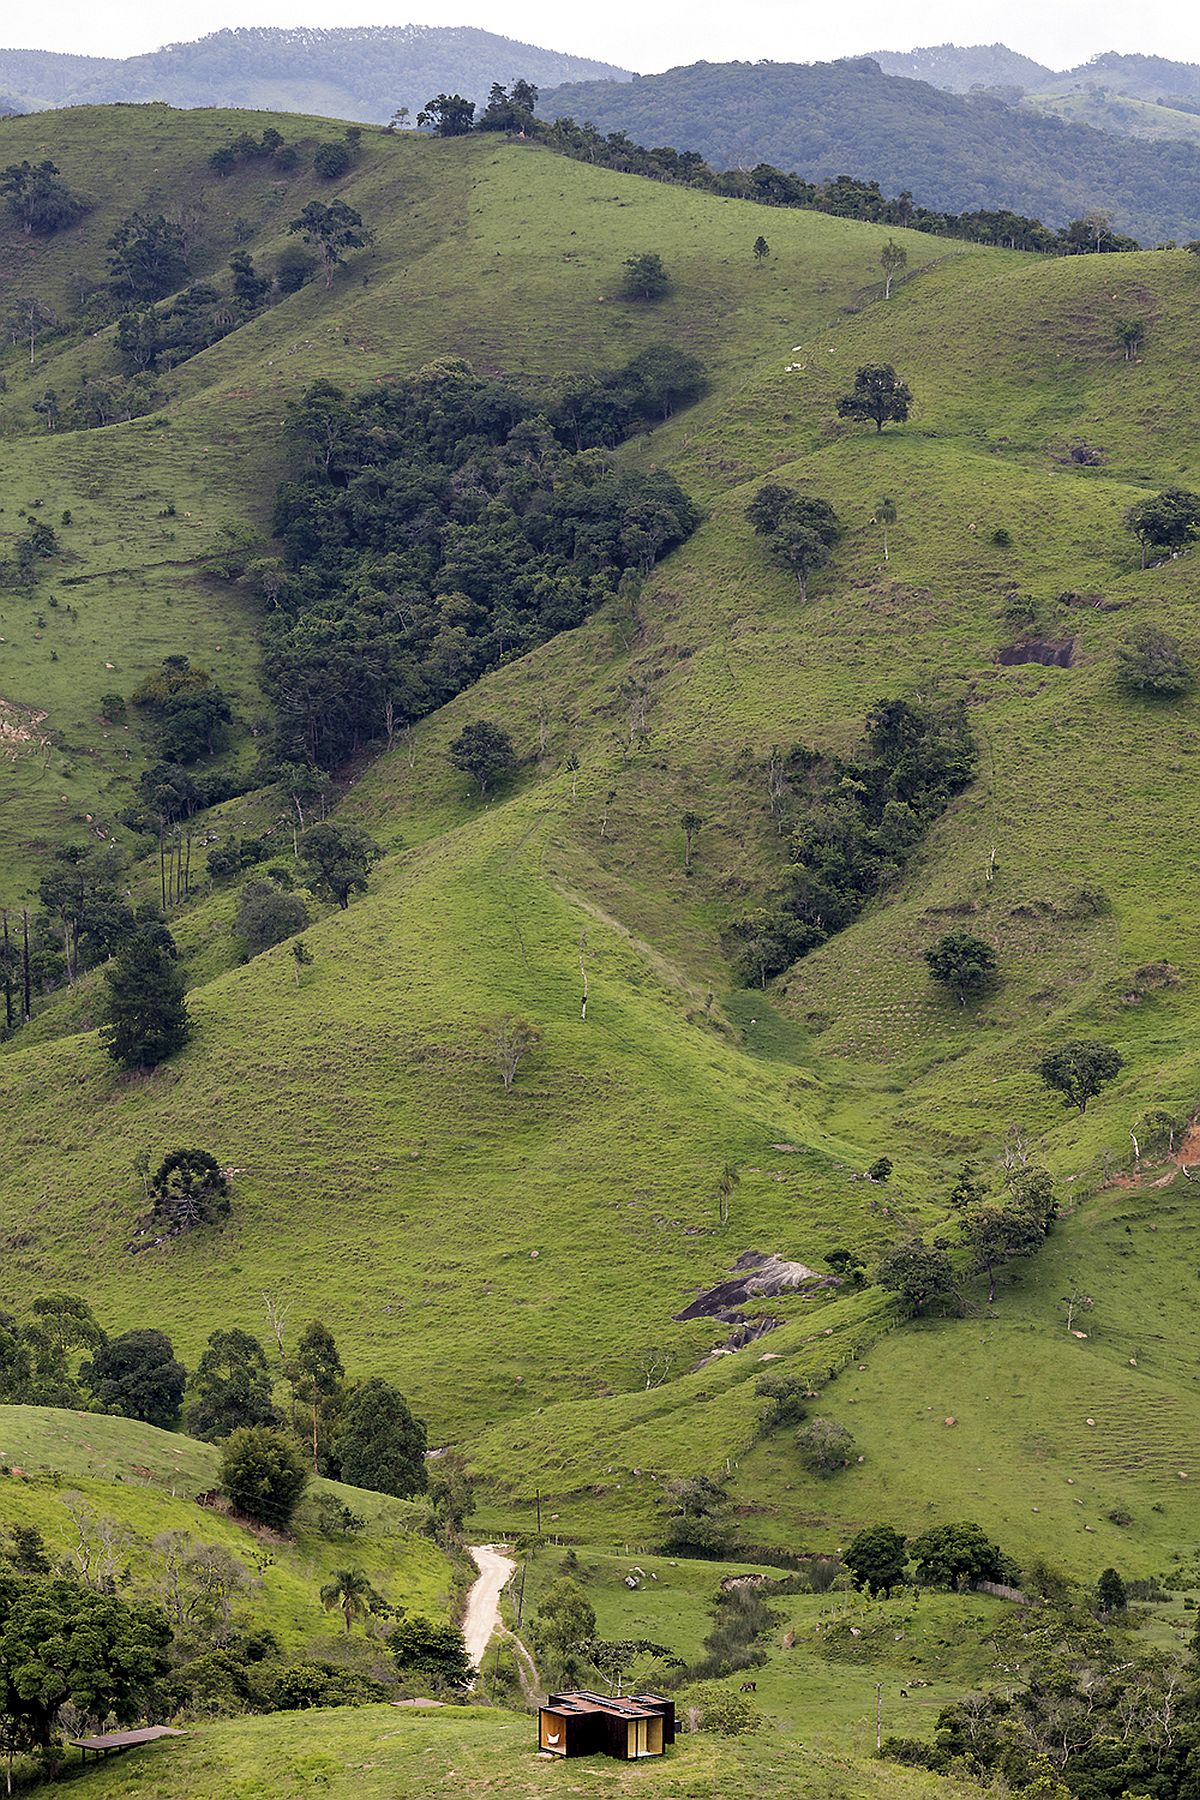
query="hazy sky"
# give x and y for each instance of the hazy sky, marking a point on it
(647, 37)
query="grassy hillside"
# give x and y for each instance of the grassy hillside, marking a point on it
(144, 1483)
(517, 1261)
(480, 249)
(377, 1752)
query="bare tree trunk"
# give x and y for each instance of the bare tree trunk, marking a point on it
(583, 974)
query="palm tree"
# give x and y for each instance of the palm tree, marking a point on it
(349, 1592)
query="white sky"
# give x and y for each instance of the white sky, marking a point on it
(648, 37)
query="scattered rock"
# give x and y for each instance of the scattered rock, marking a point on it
(950, 1421)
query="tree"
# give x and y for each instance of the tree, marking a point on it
(378, 1444)
(613, 1656)
(231, 1387)
(824, 1446)
(952, 1555)
(919, 1272)
(267, 915)
(331, 231)
(692, 825)
(333, 158)
(316, 1375)
(137, 1374)
(1079, 1069)
(148, 258)
(189, 1188)
(963, 964)
(512, 1040)
(729, 1180)
(447, 115)
(562, 1627)
(27, 1551)
(39, 199)
(451, 1494)
(1131, 335)
(879, 395)
(64, 1644)
(69, 1321)
(876, 1559)
(1111, 1594)
(802, 528)
(1166, 523)
(999, 1231)
(885, 516)
(1150, 662)
(145, 1018)
(263, 1475)
(302, 958)
(337, 859)
(349, 1592)
(484, 751)
(645, 277)
(431, 1651)
(761, 251)
(892, 258)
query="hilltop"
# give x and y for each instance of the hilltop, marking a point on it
(350, 72)
(537, 1267)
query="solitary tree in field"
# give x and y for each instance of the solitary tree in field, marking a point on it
(761, 250)
(331, 231)
(1131, 335)
(963, 964)
(730, 1179)
(645, 277)
(302, 958)
(885, 517)
(879, 395)
(1080, 1069)
(892, 258)
(1165, 523)
(336, 860)
(824, 1446)
(802, 529)
(484, 751)
(512, 1039)
(692, 825)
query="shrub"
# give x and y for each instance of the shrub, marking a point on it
(824, 1446)
(266, 916)
(724, 1713)
(1151, 663)
(263, 1474)
(436, 1652)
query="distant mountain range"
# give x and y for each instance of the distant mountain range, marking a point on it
(950, 150)
(358, 73)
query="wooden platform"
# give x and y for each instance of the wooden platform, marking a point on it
(109, 1741)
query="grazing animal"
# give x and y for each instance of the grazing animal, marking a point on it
(749, 1687)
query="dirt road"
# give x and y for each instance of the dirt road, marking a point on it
(483, 1601)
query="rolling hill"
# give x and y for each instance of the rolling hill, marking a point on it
(363, 72)
(949, 150)
(519, 1261)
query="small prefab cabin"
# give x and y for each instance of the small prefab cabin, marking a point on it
(583, 1724)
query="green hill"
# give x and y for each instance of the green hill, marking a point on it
(518, 1261)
